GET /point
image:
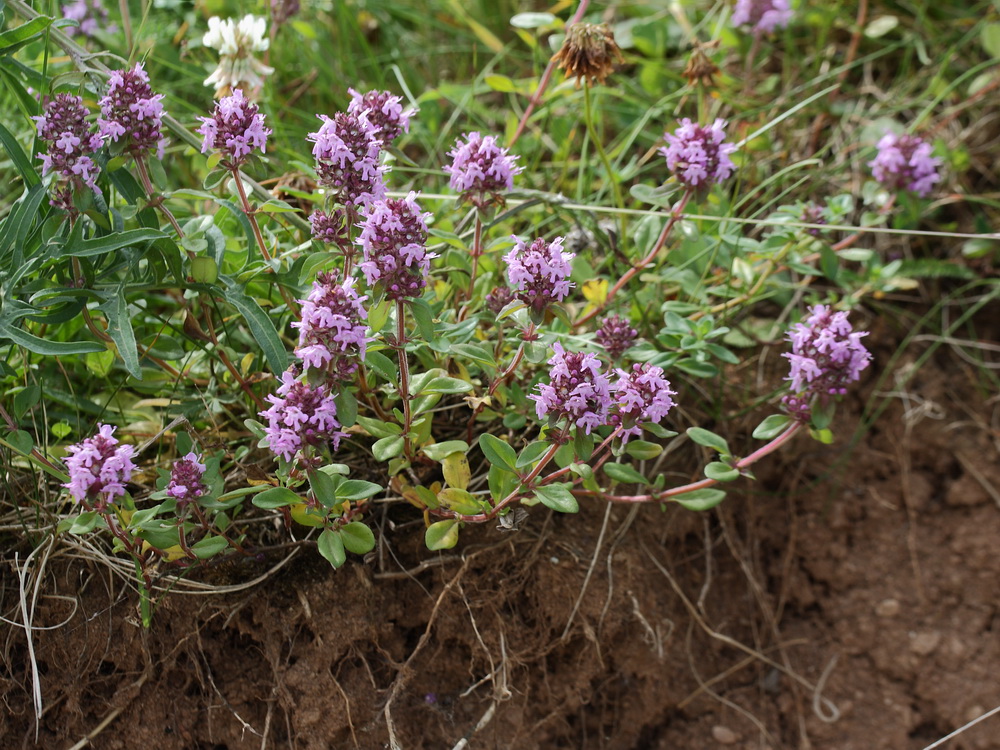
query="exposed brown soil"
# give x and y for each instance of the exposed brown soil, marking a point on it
(848, 599)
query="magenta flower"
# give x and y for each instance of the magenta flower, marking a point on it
(641, 396)
(236, 128)
(131, 112)
(300, 416)
(99, 468)
(393, 237)
(332, 330)
(697, 155)
(616, 335)
(64, 129)
(764, 16)
(347, 151)
(185, 479)
(91, 15)
(577, 390)
(540, 272)
(480, 169)
(385, 113)
(826, 356)
(904, 162)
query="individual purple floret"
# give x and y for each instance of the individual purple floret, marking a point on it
(480, 169)
(236, 128)
(185, 478)
(616, 335)
(330, 228)
(300, 416)
(385, 113)
(698, 155)
(91, 15)
(64, 129)
(99, 468)
(904, 162)
(764, 16)
(642, 396)
(332, 329)
(131, 112)
(347, 151)
(393, 237)
(577, 390)
(826, 356)
(540, 272)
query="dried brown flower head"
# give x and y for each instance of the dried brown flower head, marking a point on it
(589, 52)
(700, 69)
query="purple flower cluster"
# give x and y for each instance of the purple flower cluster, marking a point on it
(64, 129)
(616, 335)
(332, 329)
(641, 396)
(764, 16)
(385, 113)
(91, 15)
(393, 237)
(540, 272)
(185, 478)
(99, 468)
(698, 155)
(300, 416)
(826, 356)
(577, 390)
(130, 111)
(480, 169)
(236, 128)
(904, 162)
(498, 298)
(347, 151)
(330, 228)
(813, 213)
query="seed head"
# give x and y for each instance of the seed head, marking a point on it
(589, 53)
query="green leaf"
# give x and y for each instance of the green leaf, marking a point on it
(387, 448)
(501, 482)
(424, 318)
(84, 523)
(357, 489)
(48, 348)
(990, 39)
(20, 35)
(115, 308)
(643, 450)
(533, 20)
(442, 535)
(721, 472)
(331, 546)
(209, 547)
(358, 538)
(261, 325)
(323, 488)
(771, 427)
(20, 159)
(276, 497)
(445, 385)
(558, 498)
(25, 399)
(500, 83)
(531, 453)
(378, 315)
(440, 451)
(383, 366)
(709, 440)
(20, 441)
(498, 453)
(115, 241)
(700, 499)
(625, 474)
(379, 429)
(474, 353)
(347, 408)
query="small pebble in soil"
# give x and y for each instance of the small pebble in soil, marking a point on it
(724, 735)
(924, 643)
(887, 608)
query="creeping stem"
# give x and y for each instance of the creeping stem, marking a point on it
(404, 374)
(675, 214)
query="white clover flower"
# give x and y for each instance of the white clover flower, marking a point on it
(237, 43)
